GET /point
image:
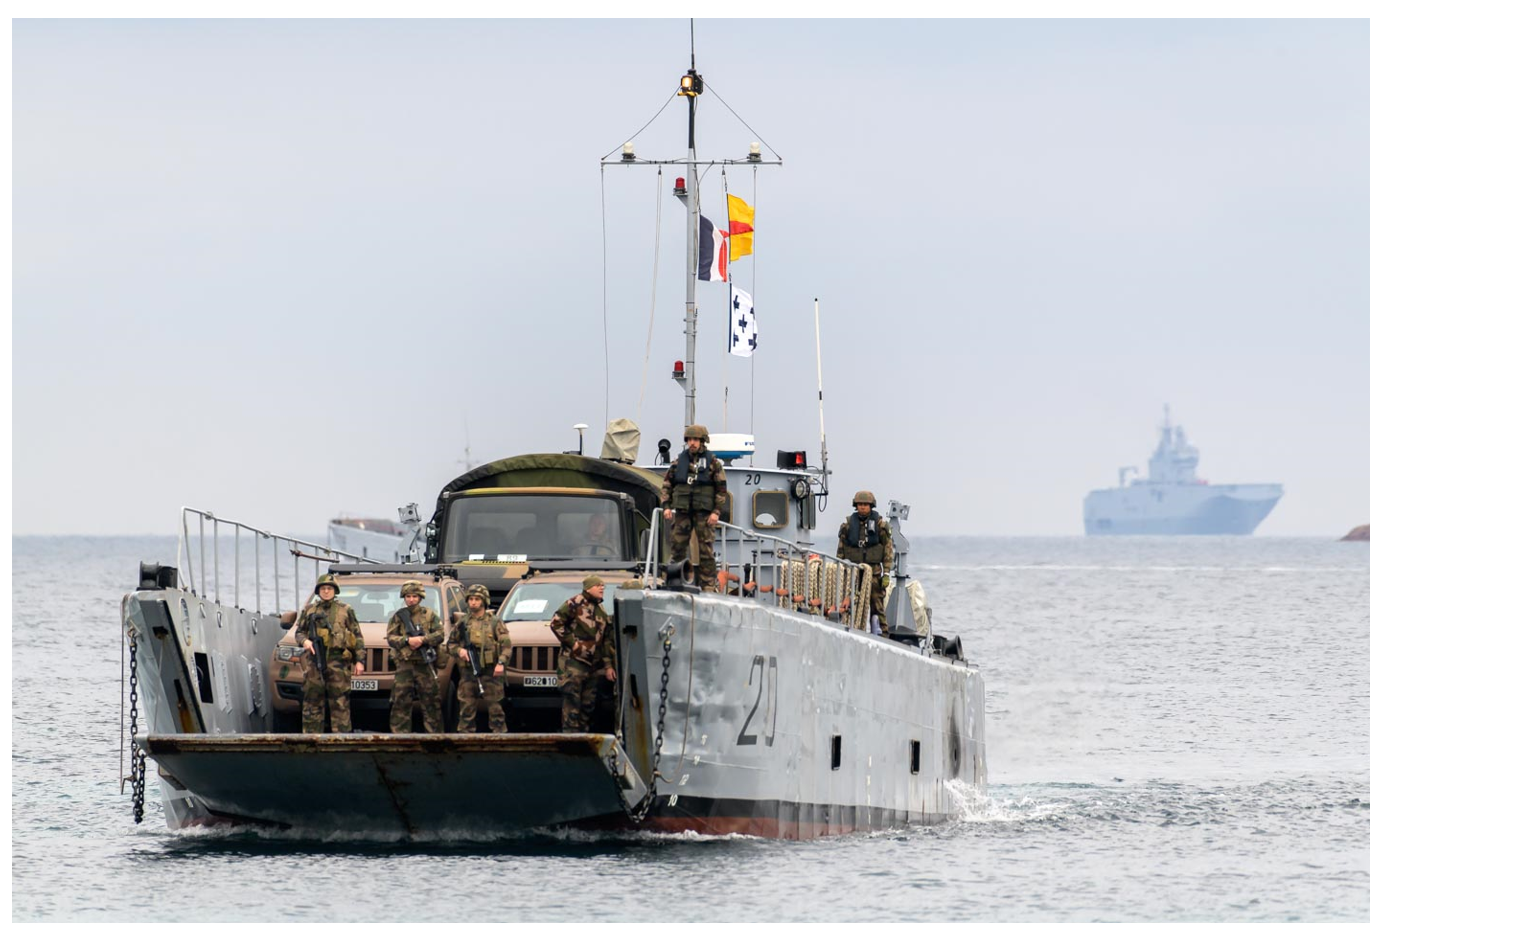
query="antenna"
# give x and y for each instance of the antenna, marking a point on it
(821, 408)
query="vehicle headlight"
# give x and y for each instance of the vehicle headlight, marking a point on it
(286, 652)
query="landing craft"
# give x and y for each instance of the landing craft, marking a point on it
(767, 707)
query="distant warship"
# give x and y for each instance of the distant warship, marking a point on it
(1173, 501)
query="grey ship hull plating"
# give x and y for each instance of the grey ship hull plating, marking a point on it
(1180, 509)
(777, 724)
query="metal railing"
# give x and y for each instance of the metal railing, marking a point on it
(783, 573)
(317, 555)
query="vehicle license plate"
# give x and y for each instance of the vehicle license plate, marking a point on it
(365, 684)
(539, 681)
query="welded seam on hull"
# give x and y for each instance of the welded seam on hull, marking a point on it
(389, 788)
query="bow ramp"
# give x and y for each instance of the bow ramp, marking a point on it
(405, 784)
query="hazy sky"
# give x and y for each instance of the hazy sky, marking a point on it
(273, 268)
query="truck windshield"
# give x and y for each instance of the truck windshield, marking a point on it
(483, 528)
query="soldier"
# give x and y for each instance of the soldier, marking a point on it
(335, 626)
(415, 676)
(587, 663)
(598, 539)
(865, 538)
(694, 492)
(480, 631)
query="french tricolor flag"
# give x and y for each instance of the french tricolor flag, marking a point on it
(712, 252)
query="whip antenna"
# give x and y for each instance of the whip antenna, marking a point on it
(821, 409)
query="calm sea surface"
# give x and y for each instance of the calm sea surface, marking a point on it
(1178, 730)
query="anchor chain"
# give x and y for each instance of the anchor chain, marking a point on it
(139, 758)
(640, 812)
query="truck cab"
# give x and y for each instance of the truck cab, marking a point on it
(490, 522)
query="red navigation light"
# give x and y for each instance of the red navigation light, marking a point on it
(679, 182)
(678, 369)
(792, 460)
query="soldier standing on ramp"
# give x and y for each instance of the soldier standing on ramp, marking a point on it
(694, 492)
(415, 668)
(865, 539)
(588, 659)
(480, 639)
(332, 623)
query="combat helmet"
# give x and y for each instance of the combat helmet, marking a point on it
(328, 579)
(478, 590)
(697, 431)
(864, 496)
(412, 587)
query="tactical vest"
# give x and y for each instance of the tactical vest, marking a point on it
(339, 640)
(862, 544)
(694, 484)
(426, 622)
(481, 637)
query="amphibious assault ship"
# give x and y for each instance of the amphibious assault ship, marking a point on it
(769, 707)
(1171, 500)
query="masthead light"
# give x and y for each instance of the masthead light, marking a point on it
(628, 152)
(754, 153)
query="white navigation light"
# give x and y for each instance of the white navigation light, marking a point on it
(754, 153)
(628, 152)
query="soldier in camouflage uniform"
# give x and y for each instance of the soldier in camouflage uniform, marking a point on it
(865, 538)
(415, 677)
(336, 626)
(490, 640)
(694, 493)
(587, 663)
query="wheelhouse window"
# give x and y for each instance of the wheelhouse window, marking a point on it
(482, 528)
(771, 509)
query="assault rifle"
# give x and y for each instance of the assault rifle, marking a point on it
(428, 653)
(473, 658)
(318, 649)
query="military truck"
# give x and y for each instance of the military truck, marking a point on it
(541, 508)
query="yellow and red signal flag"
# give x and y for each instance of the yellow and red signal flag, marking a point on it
(739, 216)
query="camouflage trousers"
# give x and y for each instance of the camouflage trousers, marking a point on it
(877, 595)
(469, 702)
(415, 683)
(323, 692)
(581, 689)
(705, 540)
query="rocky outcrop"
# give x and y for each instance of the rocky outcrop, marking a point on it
(1359, 534)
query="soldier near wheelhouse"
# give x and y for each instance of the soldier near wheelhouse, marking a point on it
(482, 642)
(694, 493)
(328, 679)
(587, 662)
(865, 539)
(415, 667)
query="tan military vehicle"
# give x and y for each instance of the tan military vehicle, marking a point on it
(374, 596)
(531, 678)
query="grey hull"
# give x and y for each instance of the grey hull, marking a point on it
(774, 723)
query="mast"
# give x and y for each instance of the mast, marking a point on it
(687, 189)
(690, 87)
